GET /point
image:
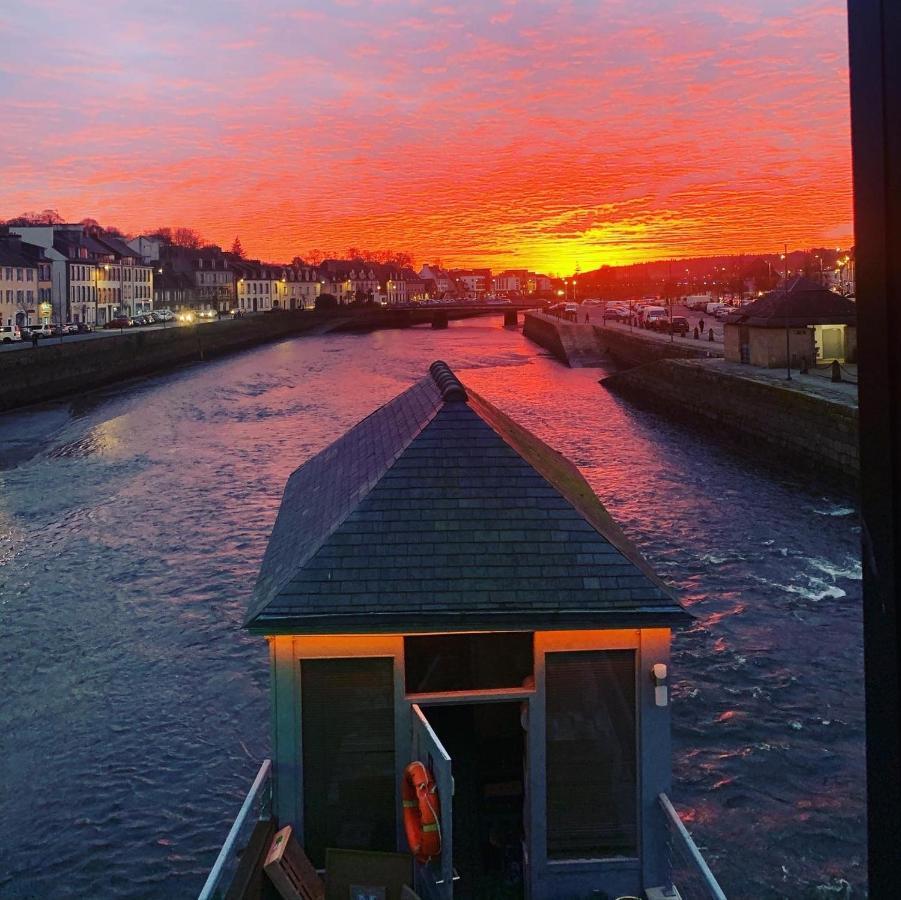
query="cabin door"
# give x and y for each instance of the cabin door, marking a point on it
(435, 880)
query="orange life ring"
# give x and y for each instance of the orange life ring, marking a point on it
(422, 811)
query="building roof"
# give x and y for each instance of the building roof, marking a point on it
(12, 254)
(803, 303)
(116, 244)
(437, 512)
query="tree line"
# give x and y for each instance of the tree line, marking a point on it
(182, 236)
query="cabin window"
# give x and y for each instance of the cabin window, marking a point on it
(591, 754)
(347, 712)
(467, 662)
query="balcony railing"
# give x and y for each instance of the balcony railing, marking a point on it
(256, 806)
(690, 875)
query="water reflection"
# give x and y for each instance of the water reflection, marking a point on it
(132, 524)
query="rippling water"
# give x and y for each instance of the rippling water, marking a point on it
(132, 522)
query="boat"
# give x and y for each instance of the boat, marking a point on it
(444, 593)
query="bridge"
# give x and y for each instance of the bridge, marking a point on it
(439, 314)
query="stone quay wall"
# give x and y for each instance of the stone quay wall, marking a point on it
(774, 422)
(574, 344)
(578, 344)
(640, 347)
(57, 369)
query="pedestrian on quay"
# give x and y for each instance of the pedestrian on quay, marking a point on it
(710, 335)
(34, 339)
(697, 333)
(701, 326)
(587, 318)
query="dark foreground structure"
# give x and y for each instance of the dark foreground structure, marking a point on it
(441, 588)
(875, 36)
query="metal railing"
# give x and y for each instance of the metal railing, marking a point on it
(690, 875)
(256, 806)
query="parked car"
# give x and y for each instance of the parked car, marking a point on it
(84, 328)
(678, 325)
(723, 313)
(650, 315)
(10, 333)
(119, 322)
(39, 330)
(70, 328)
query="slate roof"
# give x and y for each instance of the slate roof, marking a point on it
(117, 245)
(804, 303)
(437, 512)
(11, 255)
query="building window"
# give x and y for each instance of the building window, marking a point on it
(347, 712)
(18, 274)
(591, 754)
(29, 274)
(466, 662)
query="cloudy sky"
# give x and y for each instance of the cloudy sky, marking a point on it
(495, 132)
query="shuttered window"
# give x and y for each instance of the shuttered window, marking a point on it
(347, 712)
(591, 754)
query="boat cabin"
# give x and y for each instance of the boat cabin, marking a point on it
(441, 586)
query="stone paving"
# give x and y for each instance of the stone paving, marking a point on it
(814, 384)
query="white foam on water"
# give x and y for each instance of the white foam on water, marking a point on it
(836, 511)
(852, 568)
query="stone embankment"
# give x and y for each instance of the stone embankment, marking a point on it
(61, 368)
(581, 344)
(807, 421)
(57, 369)
(634, 348)
(574, 344)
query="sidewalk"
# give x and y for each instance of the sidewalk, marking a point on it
(813, 384)
(715, 346)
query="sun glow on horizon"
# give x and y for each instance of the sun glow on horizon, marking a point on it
(497, 133)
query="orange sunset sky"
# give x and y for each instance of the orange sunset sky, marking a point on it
(484, 132)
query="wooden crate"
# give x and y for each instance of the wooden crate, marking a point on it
(290, 871)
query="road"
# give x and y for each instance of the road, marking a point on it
(92, 336)
(694, 319)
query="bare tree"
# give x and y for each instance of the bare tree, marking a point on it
(314, 257)
(186, 237)
(45, 217)
(162, 234)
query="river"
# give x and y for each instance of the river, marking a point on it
(134, 710)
